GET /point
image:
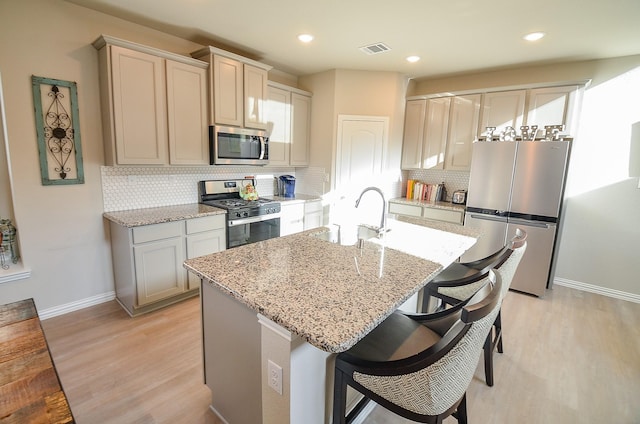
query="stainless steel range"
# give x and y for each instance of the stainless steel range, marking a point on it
(248, 221)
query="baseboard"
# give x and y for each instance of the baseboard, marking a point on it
(77, 305)
(630, 297)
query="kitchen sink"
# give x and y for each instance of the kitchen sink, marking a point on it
(347, 235)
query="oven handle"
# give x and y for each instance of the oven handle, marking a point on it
(251, 220)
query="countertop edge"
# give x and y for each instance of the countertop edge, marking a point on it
(428, 204)
(158, 215)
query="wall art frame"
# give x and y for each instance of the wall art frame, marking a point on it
(58, 131)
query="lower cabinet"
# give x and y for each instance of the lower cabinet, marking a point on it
(291, 218)
(147, 260)
(455, 216)
(313, 214)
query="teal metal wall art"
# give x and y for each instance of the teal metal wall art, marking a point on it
(58, 129)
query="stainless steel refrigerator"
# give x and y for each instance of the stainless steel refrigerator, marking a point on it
(518, 184)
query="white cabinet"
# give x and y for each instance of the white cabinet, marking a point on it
(428, 138)
(237, 88)
(158, 266)
(553, 106)
(463, 130)
(255, 97)
(187, 114)
(227, 91)
(502, 109)
(205, 235)
(153, 105)
(301, 129)
(313, 214)
(288, 116)
(147, 260)
(414, 119)
(291, 218)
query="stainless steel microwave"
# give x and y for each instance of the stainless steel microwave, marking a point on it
(237, 146)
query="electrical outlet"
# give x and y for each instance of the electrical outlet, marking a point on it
(274, 373)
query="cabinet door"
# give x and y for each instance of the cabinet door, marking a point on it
(552, 106)
(413, 134)
(255, 97)
(435, 133)
(301, 129)
(187, 114)
(139, 110)
(313, 212)
(502, 109)
(201, 244)
(158, 269)
(291, 219)
(278, 117)
(463, 130)
(227, 91)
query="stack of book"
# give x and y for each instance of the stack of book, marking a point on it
(417, 190)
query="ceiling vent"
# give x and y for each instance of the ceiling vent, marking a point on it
(375, 48)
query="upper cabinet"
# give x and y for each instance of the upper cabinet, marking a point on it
(425, 136)
(153, 105)
(238, 89)
(463, 129)
(288, 116)
(553, 106)
(439, 131)
(502, 109)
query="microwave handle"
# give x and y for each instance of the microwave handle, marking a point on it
(263, 145)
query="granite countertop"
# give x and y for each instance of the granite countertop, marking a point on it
(425, 203)
(148, 216)
(329, 294)
(298, 198)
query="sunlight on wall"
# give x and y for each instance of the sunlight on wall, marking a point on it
(601, 149)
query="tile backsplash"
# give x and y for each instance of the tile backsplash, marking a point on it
(125, 187)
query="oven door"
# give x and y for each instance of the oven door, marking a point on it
(252, 230)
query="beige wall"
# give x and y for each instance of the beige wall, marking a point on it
(62, 234)
(348, 92)
(599, 238)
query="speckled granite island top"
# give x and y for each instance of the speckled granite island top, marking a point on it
(329, 294)
(148, 216)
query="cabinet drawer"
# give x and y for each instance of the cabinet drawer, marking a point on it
(157, 231)
(443, 215)
(206, 223)
(403, 209)
(313, 206)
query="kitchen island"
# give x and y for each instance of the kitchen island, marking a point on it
(275, 312)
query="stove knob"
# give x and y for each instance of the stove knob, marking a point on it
(245, 214)
(237, 214)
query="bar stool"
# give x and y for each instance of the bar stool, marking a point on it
(419, 367)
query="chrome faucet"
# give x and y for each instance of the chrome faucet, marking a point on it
(383, 218)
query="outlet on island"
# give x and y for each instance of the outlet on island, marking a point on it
(274, 373)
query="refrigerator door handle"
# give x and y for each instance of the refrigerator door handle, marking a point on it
(525, 222)
(488, 217)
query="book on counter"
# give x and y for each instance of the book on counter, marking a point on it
(418, 190)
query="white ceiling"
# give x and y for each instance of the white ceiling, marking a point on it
(451, 36)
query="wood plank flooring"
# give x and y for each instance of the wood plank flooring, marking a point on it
(571, 357)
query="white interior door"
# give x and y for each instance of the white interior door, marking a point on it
(360, 151)
(360, 158)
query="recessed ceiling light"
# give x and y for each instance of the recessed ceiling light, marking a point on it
(534, 36)
(305, 38)
(413, 59)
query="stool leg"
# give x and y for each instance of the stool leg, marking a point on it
(339, 398)
(498, 326)
(488, 359)
(462, 410)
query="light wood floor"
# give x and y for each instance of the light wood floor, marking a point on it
(572, 357)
